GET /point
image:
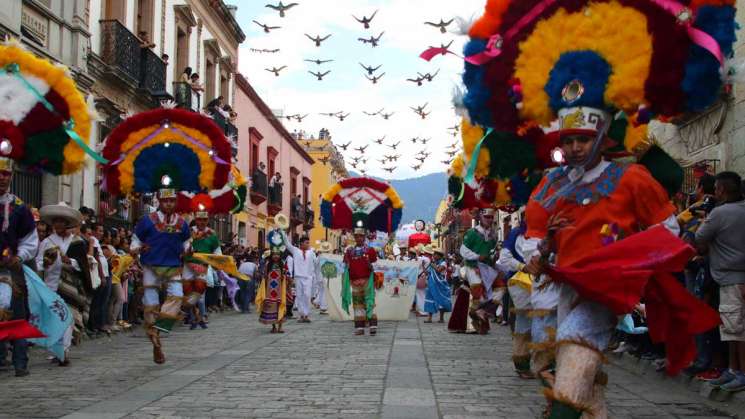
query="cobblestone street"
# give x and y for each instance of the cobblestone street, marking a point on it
(237, 369)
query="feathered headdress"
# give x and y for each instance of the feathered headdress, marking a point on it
(356, 198)
(173, 148)
(534, 63)
(45, 122)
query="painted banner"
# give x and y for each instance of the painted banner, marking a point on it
(393, 299)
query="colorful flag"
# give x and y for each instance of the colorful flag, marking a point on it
(18, 329)
(48, 313)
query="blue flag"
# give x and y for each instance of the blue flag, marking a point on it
(48, 313)
(438, 292)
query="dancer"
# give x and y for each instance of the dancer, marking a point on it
(203, 240)
(161, 239)
(479, 245)
(18, 242)
(321, 285)
(438, 294)
(271, 297)
(358, 287)
(304, 269)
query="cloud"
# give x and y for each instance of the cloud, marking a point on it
(346, 88)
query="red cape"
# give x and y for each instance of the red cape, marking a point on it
(641, 266)
(18, 329)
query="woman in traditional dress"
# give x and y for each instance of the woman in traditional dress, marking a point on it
(271, 298)
(438, 290)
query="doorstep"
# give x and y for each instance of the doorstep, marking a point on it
(734, 402)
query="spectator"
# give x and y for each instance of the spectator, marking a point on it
(248, 268)
(724, 238)
(98, 321)
(145, 40)
(186, 75)
(195, 84)
(165, 58)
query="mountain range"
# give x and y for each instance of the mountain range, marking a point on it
(421, 195)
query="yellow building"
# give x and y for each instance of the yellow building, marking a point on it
(328, 169)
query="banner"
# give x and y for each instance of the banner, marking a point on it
(48, 313)
(392, 301)
(221, 263)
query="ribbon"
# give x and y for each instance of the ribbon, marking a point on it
(432, 52)
(69, 125)
(175, 130)
(685, 17)
(475, 158)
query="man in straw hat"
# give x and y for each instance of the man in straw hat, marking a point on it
(55, 255)
(18, 243)
(358, 287)
(203, 240)
(477, 250)
(161, 239)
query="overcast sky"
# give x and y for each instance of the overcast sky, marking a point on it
(296, 91)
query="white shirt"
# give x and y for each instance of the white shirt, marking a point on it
(101, 258)
(52, 272)
(304, 262)
(247, 268)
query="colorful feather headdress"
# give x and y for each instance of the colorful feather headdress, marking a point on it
(174, 148)
(344, 202)
(231, 198)
(633, 60)
(45, 122)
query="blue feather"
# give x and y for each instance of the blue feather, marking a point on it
(326, 216)
(177, 161)
(586, 66)
(702, 80)
(477, 93)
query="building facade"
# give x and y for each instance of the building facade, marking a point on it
(57, 30)
(265, 149)
(128, 55)
(327, 170)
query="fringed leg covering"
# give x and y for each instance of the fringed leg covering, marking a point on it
(577, 365)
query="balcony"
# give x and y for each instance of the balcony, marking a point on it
(259, 191)
(152, 74)
(310, 219)
(120, 50)
(185, 97)
(297, 213)
(275, 200)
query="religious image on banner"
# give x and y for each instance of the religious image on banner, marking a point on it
(395, 282)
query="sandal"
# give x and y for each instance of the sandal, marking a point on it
(427, 321)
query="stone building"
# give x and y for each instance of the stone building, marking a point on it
(327, 170)
(57, 30)
(266, 148)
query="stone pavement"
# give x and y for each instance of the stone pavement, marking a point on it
(237, 369)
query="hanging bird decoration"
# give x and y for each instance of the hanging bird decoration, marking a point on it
(365, 21)
(373, 41)
(374, 79)
(442, 25)
(319, 75)
(45, 123)
(266, 28)
(281, 8)
(276, 70)
(318, 39)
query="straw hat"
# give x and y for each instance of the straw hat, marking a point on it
(428, 250)
(281, 221)
(71, 216)
(324, 247)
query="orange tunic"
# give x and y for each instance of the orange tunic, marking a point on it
(625, 195)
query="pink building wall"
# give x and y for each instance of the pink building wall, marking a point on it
(254, 113)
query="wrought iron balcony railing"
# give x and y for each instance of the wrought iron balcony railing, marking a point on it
(152, 73)
(259, 190)
(185, 97)
(120, 49)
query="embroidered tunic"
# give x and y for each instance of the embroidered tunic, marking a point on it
(166, 240)
(359, 261)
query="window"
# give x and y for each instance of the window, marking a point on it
(225, 86)
(209, 80)
(144, 21)
(271, 154)
(182, 52)
(254, 138)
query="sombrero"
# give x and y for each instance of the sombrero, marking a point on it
(428, 249)
(49, 213)
(281, 221)
(325, 247)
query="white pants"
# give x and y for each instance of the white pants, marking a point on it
(152, 282)
(303, 287)
(420, 296)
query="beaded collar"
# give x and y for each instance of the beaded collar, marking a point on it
(584, 193)
(163, 227)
